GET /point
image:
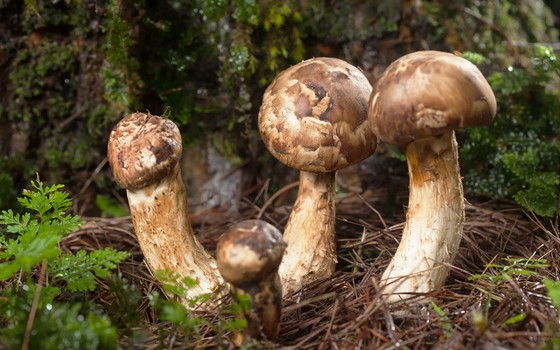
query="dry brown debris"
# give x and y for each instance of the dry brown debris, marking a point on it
(346, 311)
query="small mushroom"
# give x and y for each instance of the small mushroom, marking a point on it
(248, 256)
(314, 118)
(417, 104)
(144, 152)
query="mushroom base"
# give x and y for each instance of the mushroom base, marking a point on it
(263, 319)
(434, 221)
(161, 222)
(309, 234)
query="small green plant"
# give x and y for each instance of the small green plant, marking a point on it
(32, 239)
(189, 323)
(110, 207)
(444, 321)
(496, 274)
(510, 268)
(35, 236)
(553, 292)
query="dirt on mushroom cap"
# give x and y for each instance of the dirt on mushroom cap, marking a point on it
(136, 156)
(314, 116)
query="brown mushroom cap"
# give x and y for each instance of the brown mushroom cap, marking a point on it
(138, 157)
(314, 116)
(249, 251)
(427, 93)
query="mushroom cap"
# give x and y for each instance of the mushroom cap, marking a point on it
(314, 116)
(249, 251)
(427, 93)
(143, 149)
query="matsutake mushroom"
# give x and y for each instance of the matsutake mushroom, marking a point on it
(144, 151)
(417, 104)
(314, 118)
(248, 256)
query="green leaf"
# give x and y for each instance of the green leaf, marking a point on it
(242, 303)
(444, 320)
(236, 324)
(177, 314)
(474, 57)
(515, 319)
(110, 206)
(80, 270)
(553, 289)
(15, 223)
(27, 255)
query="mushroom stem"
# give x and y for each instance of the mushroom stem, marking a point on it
(263, 319)
(310, 233)
(434, 221)
(160, 216)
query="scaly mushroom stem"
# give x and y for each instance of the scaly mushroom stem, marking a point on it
(310, 233)
(160, 216)
(263, 319)
(434, 221)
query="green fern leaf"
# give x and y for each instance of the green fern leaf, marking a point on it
(79, 271)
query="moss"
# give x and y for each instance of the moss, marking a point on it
(51, 58)
(516, 157)
(35, 76)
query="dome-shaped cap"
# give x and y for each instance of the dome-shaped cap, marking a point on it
(314, 116)
(142, 149)
(427, 93)
(249, 251)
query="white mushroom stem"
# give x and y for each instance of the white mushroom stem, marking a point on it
(434, 221)
(160, 216)
(310, 233)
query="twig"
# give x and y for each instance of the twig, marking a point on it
(276, 195)
(329, 328)
(305, 302)
(511, 49)
(88, 183)
(374, 210)
(360, 249)
(33, 312)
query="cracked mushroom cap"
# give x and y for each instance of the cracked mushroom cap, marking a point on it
(249, 251)
(427, 93)
(143, 149)
(314, 116)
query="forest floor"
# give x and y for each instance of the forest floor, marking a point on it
(494, 298)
